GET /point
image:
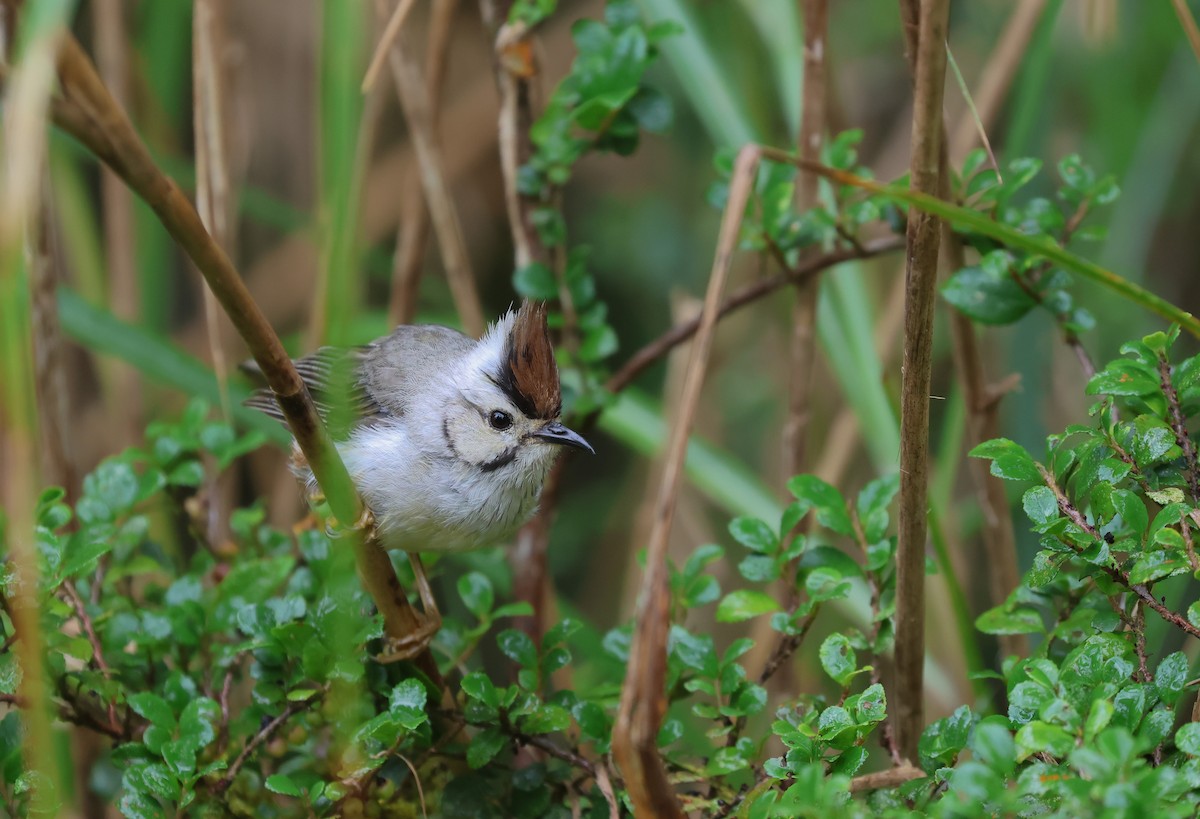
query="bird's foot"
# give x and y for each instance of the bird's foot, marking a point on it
(366, 522)
(397, 649)
(427, 623)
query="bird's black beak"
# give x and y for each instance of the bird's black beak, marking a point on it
(556, 433)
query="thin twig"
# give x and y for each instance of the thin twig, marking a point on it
(262, 736)
(643, 703)
(890, 778)
(51, 379)
(390, 32)
(680, 333)
(213, 194)
(997, 76)
(1067, 508)
(973, 112)
(1191, 467)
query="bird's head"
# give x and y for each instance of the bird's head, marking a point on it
(508, 398)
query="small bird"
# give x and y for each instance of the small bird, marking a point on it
(447, 438)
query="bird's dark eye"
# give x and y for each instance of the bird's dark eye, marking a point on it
(499, 419)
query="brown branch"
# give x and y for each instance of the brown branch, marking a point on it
(920, 281)
(94, 118)
(70, 713)
(787, 647)
(262, 736)
(52, 382)
(643, 699)
(999, 539)
(516, 69)
(891, 778)
(515, 66)
(654, 350)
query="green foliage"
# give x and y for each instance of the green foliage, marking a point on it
(602, 105)
(1007, 283)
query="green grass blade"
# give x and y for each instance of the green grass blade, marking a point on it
(156, 357)
(701, 75)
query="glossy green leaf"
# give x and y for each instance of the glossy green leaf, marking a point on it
(744, 604)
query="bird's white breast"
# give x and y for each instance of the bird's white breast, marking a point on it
(426, 501)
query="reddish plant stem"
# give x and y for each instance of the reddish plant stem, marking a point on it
(1179, 427)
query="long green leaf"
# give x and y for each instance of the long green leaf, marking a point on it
(156, 357)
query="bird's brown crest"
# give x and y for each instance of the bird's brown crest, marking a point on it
(528, 372)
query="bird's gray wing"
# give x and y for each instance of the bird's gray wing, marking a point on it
(362, 385)
(404, 365)
(333, 376)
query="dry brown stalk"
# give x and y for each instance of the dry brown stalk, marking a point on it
(804, 314)
(920, 281)
(412, 237)
(1189, 25)
(214, 201)
(643, 698)
(391, 31)
(120, 238)
(22, 158)
(51, 380)
(414, 99)
(516, 70)
(999, 540)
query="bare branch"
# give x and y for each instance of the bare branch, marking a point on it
(920, 280)
(262, 736)
(643, 700)
(654, 350)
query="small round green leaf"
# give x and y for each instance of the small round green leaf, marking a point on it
(744, 604)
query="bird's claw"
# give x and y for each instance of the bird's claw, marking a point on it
(397, 649)
(417, 641)
(366, 522)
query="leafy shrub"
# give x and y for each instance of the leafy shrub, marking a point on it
(237, 677)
